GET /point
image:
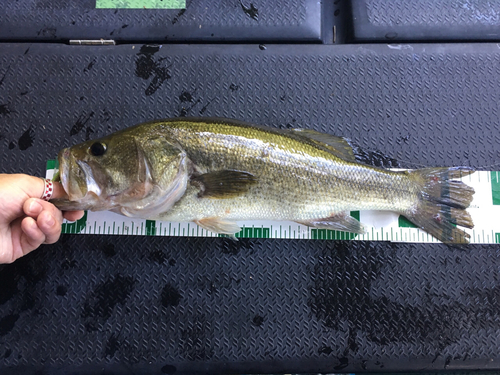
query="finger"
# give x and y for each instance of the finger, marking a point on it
(34, 187)
(58, 191)
(73, 215)
(50, 226)
(48, 218)
(34, 207)
(32, 237)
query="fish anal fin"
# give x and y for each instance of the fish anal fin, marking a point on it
(341, 221)
(338, 146)
(218, 225)
(224, 184)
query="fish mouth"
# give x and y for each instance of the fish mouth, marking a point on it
(92, 187)
(63, 158)
(74, 187)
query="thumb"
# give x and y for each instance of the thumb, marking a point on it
(41, 188)
(17, 188)
(35, 187)
(30, 186)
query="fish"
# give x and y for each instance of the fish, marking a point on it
(215, 172)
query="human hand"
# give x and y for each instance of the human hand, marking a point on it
(26, 221)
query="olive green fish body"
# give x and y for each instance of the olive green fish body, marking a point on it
(217, 171)
(297, 180)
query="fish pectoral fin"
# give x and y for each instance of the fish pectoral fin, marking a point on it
(342, 221)
(338, 146)
(224, 184)
(218, 225)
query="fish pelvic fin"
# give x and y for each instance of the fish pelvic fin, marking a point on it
(218, 225)
(224, 184)
(341, 221)
(442, 203)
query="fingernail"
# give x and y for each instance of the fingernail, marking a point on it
(50, 220)
(35, 207)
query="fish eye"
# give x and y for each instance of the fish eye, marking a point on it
(97, 149)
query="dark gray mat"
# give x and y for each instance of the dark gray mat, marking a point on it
(158, 305)
(426, 20)
(256, 20)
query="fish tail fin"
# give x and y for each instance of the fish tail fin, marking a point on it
(442, 203)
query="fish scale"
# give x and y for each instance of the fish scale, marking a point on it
(301, 170)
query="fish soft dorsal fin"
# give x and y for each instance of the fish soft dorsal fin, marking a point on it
(338, 146)
(224, 184)
(341, 221)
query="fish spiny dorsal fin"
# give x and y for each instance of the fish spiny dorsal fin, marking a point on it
(338, 146)
(224, 184)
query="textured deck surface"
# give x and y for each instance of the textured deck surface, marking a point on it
(426, 20)
(212, 21)
(164, 305)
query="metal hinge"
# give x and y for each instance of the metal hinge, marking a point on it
(96, 42)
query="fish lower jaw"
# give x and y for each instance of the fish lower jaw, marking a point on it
(93, 202)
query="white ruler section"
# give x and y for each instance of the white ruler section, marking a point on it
(380, 226)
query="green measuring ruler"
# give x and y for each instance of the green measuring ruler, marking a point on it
(380, 226)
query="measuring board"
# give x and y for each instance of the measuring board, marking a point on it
(379, 226)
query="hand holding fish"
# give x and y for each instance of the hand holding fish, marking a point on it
(26, 221)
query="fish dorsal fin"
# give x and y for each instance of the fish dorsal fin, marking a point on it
(224, 184)
(338, 146)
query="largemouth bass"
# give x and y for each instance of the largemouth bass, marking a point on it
(215, 172)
